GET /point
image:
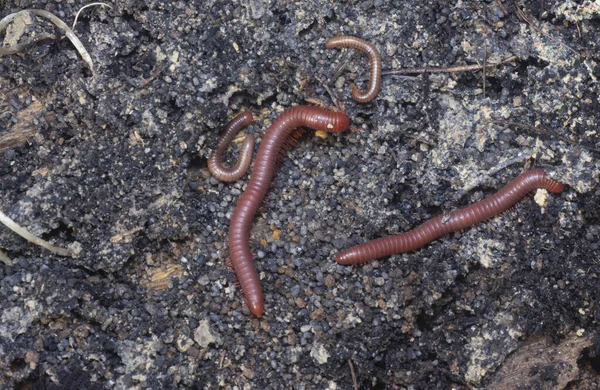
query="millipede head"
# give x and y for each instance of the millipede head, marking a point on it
(341, 123)
(555, 187)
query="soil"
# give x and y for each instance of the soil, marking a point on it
(112, 164)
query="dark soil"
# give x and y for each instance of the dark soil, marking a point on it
(112, 164)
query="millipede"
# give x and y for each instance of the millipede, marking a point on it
(361, 96)
(215, 163)
(457, 220)
(270, 150)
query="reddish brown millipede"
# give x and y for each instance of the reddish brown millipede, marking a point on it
(264, 168)
(374, 59)
(431, 230)
(215, 163)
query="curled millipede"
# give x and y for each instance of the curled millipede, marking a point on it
(374, 59)
(271, 147)
(215, 163)
(431, 230)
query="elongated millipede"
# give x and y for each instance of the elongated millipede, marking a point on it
(265, 166)
(374, 59)
(431, 230)
(215, 163)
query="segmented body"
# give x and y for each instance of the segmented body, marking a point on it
(431, 230)
(263, 171)
(215, 163)
(374, 60)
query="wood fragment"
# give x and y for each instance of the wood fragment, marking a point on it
(119, 237)
(160, 278)
(23, 129)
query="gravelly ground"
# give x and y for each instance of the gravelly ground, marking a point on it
(115, 167)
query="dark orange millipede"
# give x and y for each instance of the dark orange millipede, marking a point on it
(215, 163)
(270, 150)
(374, 59)
(431, 230)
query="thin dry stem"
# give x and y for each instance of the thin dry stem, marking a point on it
(12, 225)
(84, 7)
(529, 20)
(453, 69)
(59, 23)
(484, 65)
(354, 381)
(541, 130)
(502, 7)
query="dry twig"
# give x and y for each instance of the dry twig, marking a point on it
(543, 131)
(453, 69)
(529, 20)
(499, 3)
(12, 225)
(484, 65)
(84, 7)
(354, 381)
(59, 23)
